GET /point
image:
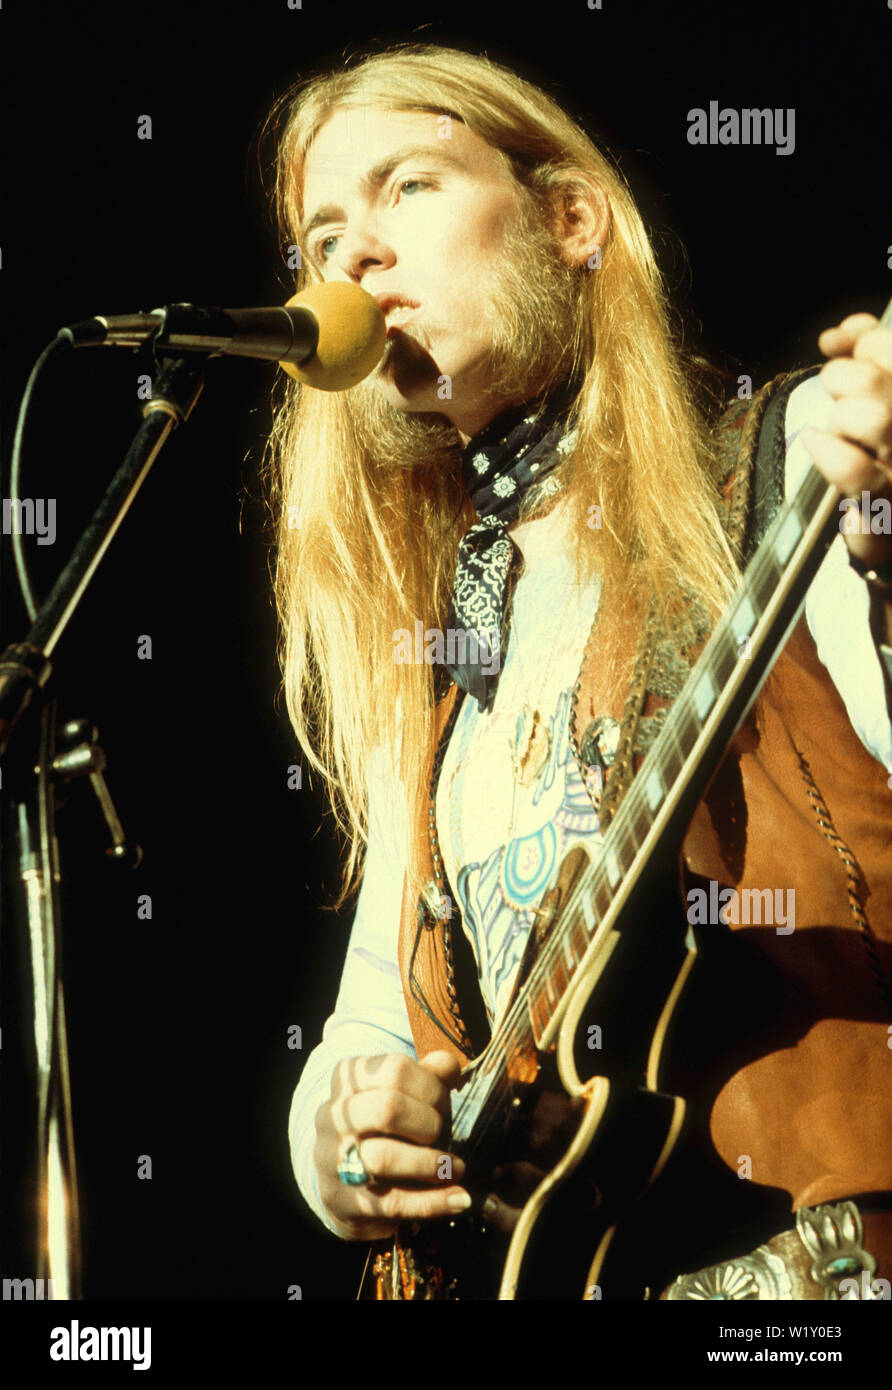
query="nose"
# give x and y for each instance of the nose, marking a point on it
(360, 246)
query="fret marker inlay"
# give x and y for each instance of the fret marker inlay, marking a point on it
(787, 538)
(704, 694)
(653, 788)
(744, 619)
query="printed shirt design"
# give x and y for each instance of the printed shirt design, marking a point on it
(502, 835)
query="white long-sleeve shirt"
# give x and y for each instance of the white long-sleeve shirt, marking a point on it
(502, 841)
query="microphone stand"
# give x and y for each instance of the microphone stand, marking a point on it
(28, 730)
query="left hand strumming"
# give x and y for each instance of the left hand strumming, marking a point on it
(855, 451)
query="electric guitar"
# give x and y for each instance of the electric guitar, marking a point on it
(568, 1090)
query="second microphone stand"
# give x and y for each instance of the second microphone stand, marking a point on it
(26, 690)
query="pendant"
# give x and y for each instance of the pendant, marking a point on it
(597, 752)
(599, 743)
(531, 746)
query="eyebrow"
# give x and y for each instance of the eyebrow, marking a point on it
(374, 178)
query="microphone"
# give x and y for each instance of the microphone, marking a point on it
(329, 336)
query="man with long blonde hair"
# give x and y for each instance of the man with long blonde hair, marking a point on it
(476, 544)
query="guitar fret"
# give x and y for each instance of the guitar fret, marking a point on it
(539, 1012)
(580, 941)
(641, 823)
(727, 658)
(612, 868)
(672, 757)
(570, 955)
(559, 975)
(687, 727)
(704, 694)
(743, 619)
(544, 1014)
(764, 581)
(788, 536)
(626, 836)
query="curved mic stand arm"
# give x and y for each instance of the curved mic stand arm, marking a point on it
(26, 690)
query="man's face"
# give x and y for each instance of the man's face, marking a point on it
(448, 228)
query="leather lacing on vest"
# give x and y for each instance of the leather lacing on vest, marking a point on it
(855, 878)
(448, 908)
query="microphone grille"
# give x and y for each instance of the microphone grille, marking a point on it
(352, 335)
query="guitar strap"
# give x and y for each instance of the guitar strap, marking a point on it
(437, 963)
(749, 466)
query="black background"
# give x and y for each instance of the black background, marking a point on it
(178, 1025)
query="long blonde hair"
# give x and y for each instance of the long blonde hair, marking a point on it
(365, 550)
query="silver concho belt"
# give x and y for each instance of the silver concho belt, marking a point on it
(825, 1251)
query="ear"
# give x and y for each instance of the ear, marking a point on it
(582, 217)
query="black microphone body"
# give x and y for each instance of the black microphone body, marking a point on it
(278, 334)
(328, 336)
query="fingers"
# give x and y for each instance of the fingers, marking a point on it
(856, 376)
(515, 1183)
(854, 451)
(389, 1161)
(875, 347)
(369, 1216)
(500, 1214)
(387, 1112)
(394, 1110)
(392, 1072)
(843, 463)
(843, 337)
(391, 1095)
(369, 1212)
(864, 420)
(862, 409)
(399, 1204)
(443, 1065)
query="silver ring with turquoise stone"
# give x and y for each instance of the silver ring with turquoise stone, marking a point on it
(351, 1169)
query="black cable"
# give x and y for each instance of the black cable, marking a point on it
(18, 548)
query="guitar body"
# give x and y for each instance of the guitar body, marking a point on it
(581, 1133)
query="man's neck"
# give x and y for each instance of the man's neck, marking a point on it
(469, 425)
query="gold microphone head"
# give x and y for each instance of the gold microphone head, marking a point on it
(352, 335)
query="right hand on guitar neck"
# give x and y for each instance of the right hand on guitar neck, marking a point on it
(394, 1109)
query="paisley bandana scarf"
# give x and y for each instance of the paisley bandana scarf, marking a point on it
(513, 452)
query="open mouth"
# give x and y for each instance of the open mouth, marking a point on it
(398, 315)
(397, 309)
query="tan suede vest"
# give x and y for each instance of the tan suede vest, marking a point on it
(799, 1042)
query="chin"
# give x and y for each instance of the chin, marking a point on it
(407, 376)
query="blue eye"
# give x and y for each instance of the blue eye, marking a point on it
(320, 246)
